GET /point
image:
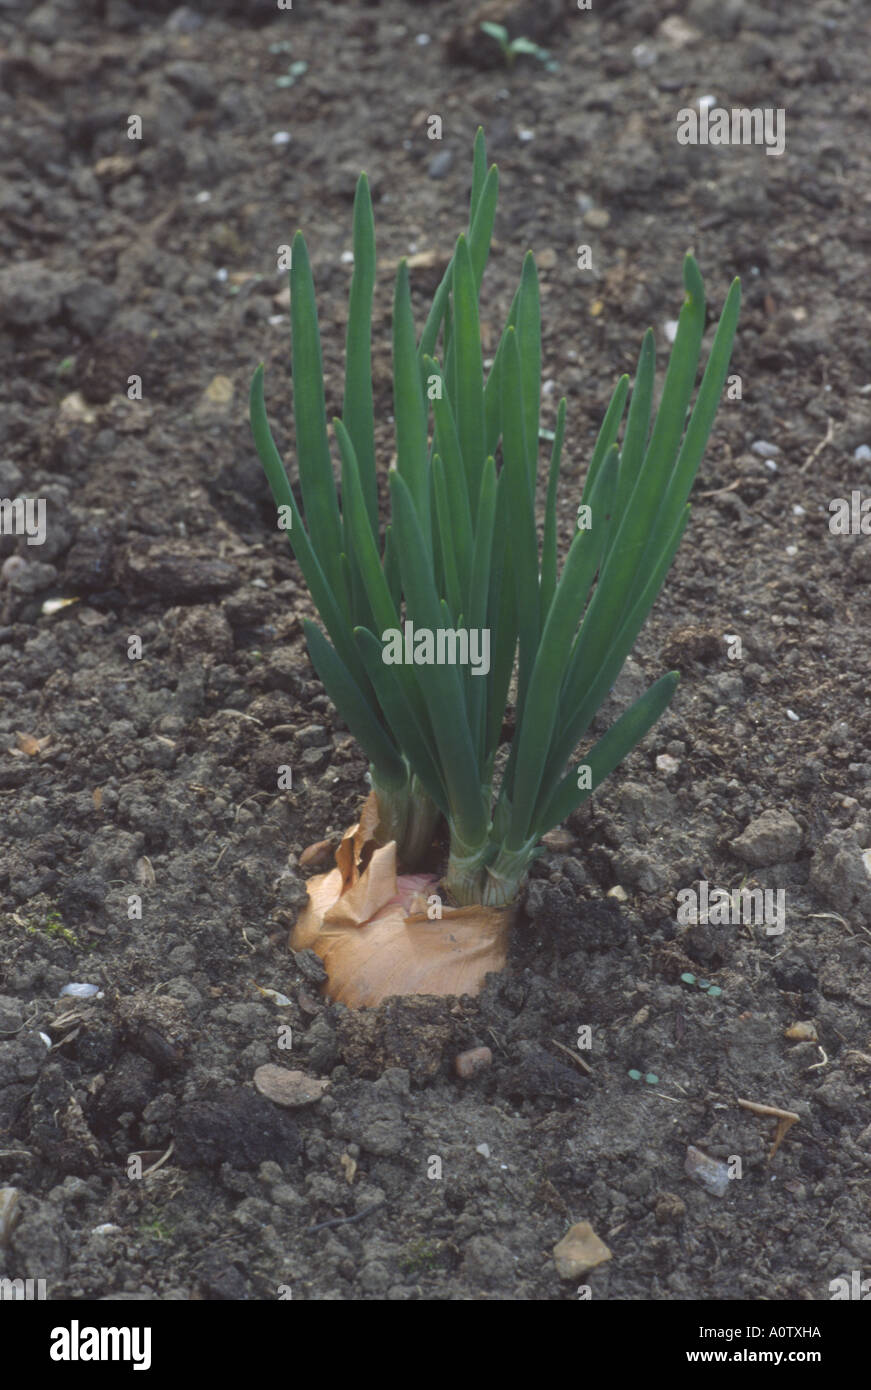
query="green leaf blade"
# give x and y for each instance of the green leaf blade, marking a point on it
(469, 372)
(309, 410)
(357, 408)
(408, 404)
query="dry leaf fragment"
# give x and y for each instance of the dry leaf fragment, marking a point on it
(145, 872)
(114, 166)
(30, 745)
(801, 1032)
(273, 995)
(579, 1251)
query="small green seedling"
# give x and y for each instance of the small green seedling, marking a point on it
(512, 48)
(55, 930)
(713, 990)
(157, 1229)
(295, 70)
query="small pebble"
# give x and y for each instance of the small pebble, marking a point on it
(597, 218)
(669, 328)
(677, 33)
(666, 763)
(470, 1063)
(281, 137)
(643, 56)
(791, 714)
(764, 449)
(440, 164)
(81, 991)
(11, 567)
(318, 853)
(483, 1150)
(184, 20)
(862, 454)
(289, 1089)
(526, 136)
(710, 1174)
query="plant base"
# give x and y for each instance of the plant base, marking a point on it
(480, 876)
(373, 931)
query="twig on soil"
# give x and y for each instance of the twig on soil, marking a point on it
(253, 797)
(815, 453)
(499, 1044)
(239, 715)
(160, 1162)
(685, 1097)
(345, 1220)
(836, 917)
(574, 1056)
(718, 491)
(26, 1024)
(785, 1120)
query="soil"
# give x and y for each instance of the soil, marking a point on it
(147, 782)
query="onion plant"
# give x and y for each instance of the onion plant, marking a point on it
(461, 551)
